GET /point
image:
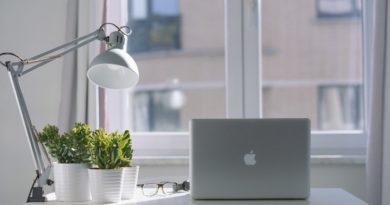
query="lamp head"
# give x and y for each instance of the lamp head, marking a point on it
(114, 68)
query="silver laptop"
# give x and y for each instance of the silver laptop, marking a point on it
(250, 158)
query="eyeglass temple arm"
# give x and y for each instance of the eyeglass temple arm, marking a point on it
(183, 186)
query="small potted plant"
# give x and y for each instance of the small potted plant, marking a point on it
(109, 154)
(130, 173)
(72, 154)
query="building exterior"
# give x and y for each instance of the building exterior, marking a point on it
(311, 62)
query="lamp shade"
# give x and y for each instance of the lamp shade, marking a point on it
(114, 69)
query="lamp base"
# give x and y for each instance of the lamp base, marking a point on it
(36, 195)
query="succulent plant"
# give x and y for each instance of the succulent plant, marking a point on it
(110, 150)
(71, 147)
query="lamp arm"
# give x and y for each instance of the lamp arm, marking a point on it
(62, 50)
(42, 172)
(34, 148)
(93, 35)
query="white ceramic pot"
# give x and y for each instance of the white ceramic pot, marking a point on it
(105, 185)
(129, 183)
(71, 182)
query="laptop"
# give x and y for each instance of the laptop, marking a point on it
(250, 158)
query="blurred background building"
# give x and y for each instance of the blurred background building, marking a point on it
(311, 62)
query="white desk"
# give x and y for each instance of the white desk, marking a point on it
(319, 196)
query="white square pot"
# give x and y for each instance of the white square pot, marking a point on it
(105, 185)
(129, 183)
(71, 182)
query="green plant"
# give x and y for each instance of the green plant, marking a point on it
(71, 147)
(110, 150)
(128, 149)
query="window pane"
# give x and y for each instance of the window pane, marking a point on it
(180, 55)
(139, 9)
(312, 65)
(338, 8)
(165, 7)
(157, 29)
(340, 107)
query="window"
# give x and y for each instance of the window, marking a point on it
(315, 69)
(156, 25)
(304, 68)
(158, 110)
(181, 65)
(340, 107)
(338, 8)
(298, 55)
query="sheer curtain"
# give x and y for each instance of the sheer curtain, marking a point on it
(79, 96)
(377, 56)
(81, 100)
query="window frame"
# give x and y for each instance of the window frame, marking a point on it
(243, 25)
(243, 78)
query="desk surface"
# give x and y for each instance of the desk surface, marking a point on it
(318, 196)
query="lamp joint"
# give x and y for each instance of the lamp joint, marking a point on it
(117, 40)
(16, 68)
(102, 35)
(8, 65)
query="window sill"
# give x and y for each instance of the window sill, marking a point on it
(160, 161)
(180, 53)
(338, 160)
(314, 160)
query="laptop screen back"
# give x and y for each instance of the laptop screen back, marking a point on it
(250, 158)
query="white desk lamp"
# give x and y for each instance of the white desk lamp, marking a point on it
(114, 69)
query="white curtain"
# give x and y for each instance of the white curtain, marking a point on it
(79, 96)
(377, 56)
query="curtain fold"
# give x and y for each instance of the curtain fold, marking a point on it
(377, 44)
(78, 95)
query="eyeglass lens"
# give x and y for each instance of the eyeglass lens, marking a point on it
(150, 189)
(169, 188)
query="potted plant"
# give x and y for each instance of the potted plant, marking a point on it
(130, 173)
(109, 153)
(72, 154)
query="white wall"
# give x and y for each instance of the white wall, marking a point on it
(27, 28)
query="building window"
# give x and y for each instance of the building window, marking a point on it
(338, 8)
(157, 24)
(157, 110)
(340, 107)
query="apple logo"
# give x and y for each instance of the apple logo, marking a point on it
(249, 159)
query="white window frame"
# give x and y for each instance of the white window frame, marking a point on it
(243, 78)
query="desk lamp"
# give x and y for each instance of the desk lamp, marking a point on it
(113, 69)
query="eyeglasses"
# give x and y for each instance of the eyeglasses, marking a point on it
(151, 189)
